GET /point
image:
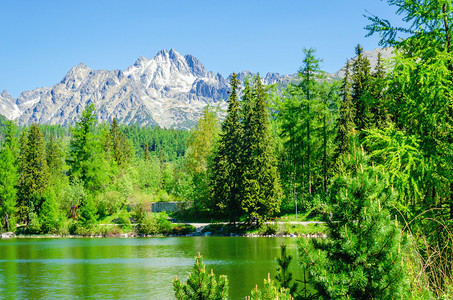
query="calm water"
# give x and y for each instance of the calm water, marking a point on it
(131, 268)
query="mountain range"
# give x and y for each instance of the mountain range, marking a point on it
(170, 90)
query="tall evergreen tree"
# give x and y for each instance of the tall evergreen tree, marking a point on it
(34, 172)
(225, 174)
(361, 75)
(120, 147)
(260, 183)
(86, 160)
(345, 124)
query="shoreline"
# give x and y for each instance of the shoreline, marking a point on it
(8, 236)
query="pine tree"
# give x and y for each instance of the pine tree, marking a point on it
(363, 255)
(284, 277)
(270, 291)
(201, 285)
(86, 158)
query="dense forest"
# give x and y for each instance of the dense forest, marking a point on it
(372, 155)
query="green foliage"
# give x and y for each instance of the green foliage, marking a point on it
(270, 291)
(363, 255)
(86, 159)
(166, 144)
(49, 217)
(8, 191)
(34, 173)
(399, 154)
(225, 173)
(124, 219)
(109, 203)
(118, 144)
(147, 174)
(284, 277)
(306, 118)
(260, 190)
(151, 223)
(201, 285)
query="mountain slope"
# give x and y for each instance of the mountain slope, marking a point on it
(169, 90)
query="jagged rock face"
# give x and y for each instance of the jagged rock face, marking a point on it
(169, 90)
(8, 106)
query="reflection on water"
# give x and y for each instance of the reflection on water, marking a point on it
(131, 267)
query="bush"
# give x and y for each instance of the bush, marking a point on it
(109, 203)
(268, 229)
(150, 225)
(182, 229)
(124, 219)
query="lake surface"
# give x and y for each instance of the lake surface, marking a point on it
(132, 267)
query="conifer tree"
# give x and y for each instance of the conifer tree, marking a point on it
(309, 73)
(361, 75)
(54, 157)
(86, 160)
(201, 285)
(270, 291)
(284, 277)
(363, 254)
(34, 172)
(260, 184)
(120, 147)
(345, 123)
(225, 174)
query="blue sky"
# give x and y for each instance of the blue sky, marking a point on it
(42, 40)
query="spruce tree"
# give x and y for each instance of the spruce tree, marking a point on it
(345, 124)
(119, 143)
(225, 174)
(361, 76)
(260, 184)
(34, 172)
(54, 157)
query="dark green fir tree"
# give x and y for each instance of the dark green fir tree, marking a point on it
(226, 168)
(260, 188)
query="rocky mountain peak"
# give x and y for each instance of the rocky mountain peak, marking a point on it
(195, 65)
(5, 94)
(76, 75)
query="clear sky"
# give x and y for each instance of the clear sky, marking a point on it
(42, 40)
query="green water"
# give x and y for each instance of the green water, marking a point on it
(119, 268)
